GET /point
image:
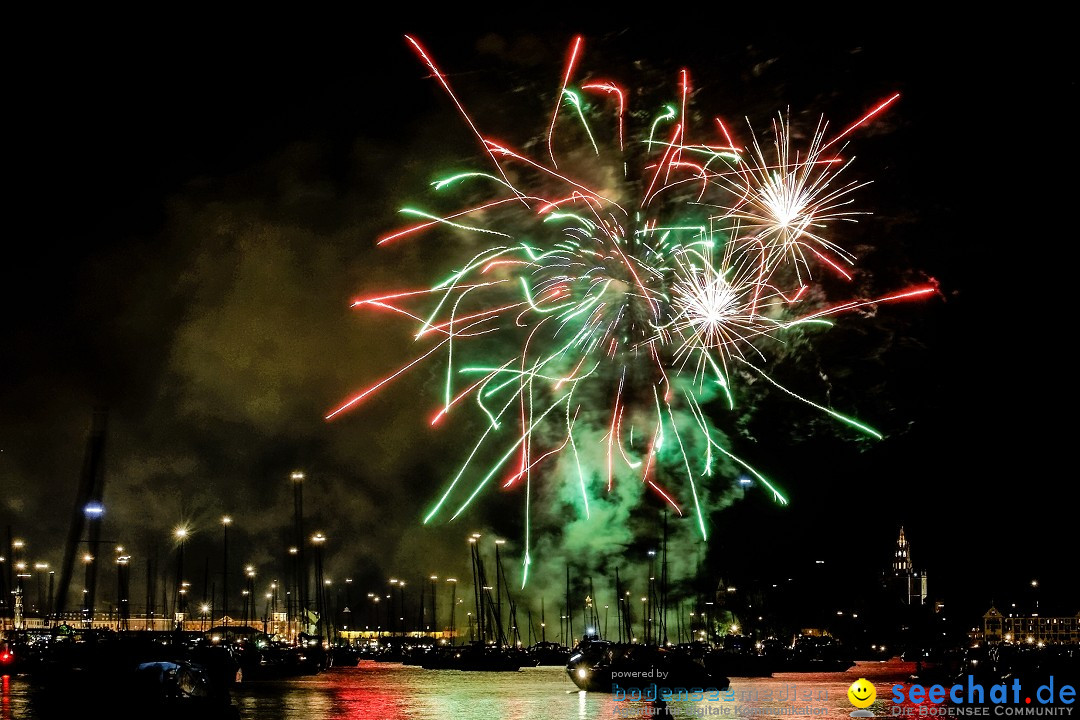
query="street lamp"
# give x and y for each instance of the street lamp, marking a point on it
(297, 477)
(373, 613)
(249, 593)
(88, 612)
(50, 601)
(401, 603)
(122, 588)
(294, 581)
(434, 618)
(319, 540)
(226, 521)
(453, 607)
(21, 574)
(348, 602)
(41, 568)
(181, 534)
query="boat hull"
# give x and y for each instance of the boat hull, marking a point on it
(474, 659)
(641, 669)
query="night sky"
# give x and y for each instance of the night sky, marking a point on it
(192, 217)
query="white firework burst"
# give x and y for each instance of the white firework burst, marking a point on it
(786, 201)
(716, 309)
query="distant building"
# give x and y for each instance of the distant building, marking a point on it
(906, 583)
(814, 632)
(1029, 629)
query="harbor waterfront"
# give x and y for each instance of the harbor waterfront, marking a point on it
(393, 690)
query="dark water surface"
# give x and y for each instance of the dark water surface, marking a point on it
(389, 690)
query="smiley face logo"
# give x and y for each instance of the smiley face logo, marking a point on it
(861, 693)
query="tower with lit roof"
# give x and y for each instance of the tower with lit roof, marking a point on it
(905, 580)
(902, 562)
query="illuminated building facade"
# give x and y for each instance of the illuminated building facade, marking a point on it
(1031, 629)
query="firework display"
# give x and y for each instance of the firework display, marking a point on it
(621, 283)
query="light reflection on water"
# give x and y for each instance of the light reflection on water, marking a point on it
(387, 691)
(390, 691)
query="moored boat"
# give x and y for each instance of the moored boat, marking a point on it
(548, 654)
(474, 658)
(603, 666)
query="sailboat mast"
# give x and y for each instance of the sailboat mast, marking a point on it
(618, 604)
(569, 612)
(476, 589)
(498, 593)
(664, 581)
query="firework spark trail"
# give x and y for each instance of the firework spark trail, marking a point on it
(597, 319)
(610, 87)
(570, 63)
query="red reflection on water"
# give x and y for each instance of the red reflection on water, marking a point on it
(362, 700)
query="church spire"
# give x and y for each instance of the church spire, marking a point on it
(902, 561)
